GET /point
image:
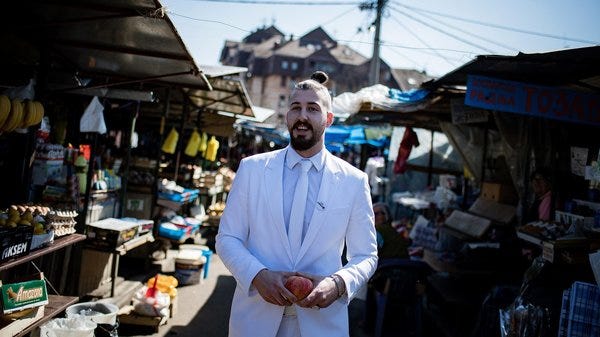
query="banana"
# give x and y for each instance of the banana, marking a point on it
(29, 114)
(4, 109)
(15, 116)
(40, 112)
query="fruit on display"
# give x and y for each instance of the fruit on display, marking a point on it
(4, 109)
(19, 215)
(299, 286)
(16, 114)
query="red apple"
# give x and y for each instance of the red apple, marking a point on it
(299, 286)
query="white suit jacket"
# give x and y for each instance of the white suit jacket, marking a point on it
(252, 236)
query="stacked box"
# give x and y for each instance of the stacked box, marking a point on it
(108, 234)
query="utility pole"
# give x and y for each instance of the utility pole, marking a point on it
(374, 69)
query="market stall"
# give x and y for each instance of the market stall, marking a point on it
(93, 66)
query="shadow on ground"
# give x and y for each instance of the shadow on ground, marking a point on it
(213, 318)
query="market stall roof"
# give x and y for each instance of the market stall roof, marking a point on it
(381, 105)
(572, 67)
(227, 95)
(133, 39)
(108, 48)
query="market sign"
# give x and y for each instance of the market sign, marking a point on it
(533, 100)
(463, 114)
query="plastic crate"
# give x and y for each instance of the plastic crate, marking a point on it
(15, 242)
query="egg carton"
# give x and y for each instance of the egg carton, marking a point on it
(62, 228)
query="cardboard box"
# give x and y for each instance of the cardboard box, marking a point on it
(110, 233)
(497, 192)
(138, 205)
(23, 295)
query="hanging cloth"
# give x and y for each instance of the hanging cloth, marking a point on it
(409, 140)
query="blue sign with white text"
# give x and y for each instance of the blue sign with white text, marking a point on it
(533, 100)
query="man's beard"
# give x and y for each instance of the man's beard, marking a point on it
(302, 143)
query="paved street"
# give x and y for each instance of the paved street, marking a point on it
(203, 309)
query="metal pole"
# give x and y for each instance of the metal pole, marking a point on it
(375, 65)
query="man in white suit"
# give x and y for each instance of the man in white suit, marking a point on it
(253, 239)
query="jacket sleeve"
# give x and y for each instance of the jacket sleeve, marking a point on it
(361, 241)
(233, 232)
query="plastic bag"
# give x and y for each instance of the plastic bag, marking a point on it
(193, 143)
(156, 306)
(76, 326)
(92, 119)
(211, 149)
(22, 93)
(522, 319)
(170, 143)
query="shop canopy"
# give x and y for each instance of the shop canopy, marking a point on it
(110, 48)
(575, 68)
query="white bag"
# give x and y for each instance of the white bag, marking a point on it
(157, 306)
(93, 118)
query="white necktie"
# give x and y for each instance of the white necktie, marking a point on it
(298, 207)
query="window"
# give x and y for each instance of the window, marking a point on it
(284, 64)
(281, 103)
(283, 81)
(294, 66)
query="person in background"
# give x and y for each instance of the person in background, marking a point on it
(542, 190)
(255, 238)
(391, 243)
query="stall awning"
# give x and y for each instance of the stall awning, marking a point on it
(124, 39)
(577, 68)
(227, 95)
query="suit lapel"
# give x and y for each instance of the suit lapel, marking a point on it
(273, 193)
(329, 184)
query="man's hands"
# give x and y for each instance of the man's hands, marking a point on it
(270, 286)
(324, 293)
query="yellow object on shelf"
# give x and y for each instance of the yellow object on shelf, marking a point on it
(170, 143)
(211, 149)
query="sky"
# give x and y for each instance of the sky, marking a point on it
(435, 36)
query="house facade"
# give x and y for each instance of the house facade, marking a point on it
(275, 62)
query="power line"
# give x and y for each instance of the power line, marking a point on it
(468, 33)
(487, 24)
(290, 2)
(443, 32)
(422, 41)
(211, 21)
(338, 16)
(409, 47)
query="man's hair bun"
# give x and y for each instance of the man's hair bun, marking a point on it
(320, 77)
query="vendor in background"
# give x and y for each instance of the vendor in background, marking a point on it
(542, 190)
(390, 242)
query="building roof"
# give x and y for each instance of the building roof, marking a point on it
(262, 34)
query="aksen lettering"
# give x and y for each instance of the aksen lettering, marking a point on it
(14, 250)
